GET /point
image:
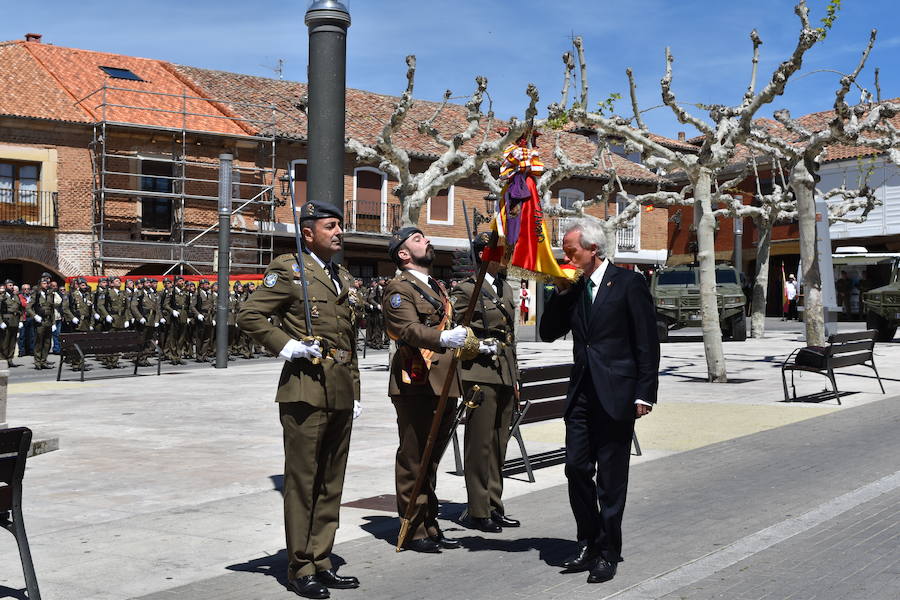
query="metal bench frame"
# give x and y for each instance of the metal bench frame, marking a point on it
(843, 350)
(104, 343)
(542, 397)
(14, 446)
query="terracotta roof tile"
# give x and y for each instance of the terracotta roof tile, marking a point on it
(30, 91)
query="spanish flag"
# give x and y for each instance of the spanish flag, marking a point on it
(523, 243)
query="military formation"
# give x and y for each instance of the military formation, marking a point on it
(180, 318)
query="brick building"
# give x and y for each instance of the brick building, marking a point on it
(109, 164)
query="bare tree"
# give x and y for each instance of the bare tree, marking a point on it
(728, 126)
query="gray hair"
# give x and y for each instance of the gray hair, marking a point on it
(591, 233)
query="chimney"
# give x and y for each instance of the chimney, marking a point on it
(680, 136)
(33, 37)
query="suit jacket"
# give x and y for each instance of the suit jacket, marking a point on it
(330, 384)
(616, 343)
(413, 322)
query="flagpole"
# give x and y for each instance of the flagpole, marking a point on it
(441, 405)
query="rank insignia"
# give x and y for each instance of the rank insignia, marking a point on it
(314, 311)
(270, 280)
(396, 300)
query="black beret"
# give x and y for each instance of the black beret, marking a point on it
(179, 278)
(46, 274)
(9, 281)
(103, 279)
(167, 280)
(142, 280)
(202, 281)
(398, 238)
(319, 210)
(151, 280)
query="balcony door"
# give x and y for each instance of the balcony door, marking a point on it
(369, 200)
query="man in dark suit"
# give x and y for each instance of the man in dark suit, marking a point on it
(614, 381)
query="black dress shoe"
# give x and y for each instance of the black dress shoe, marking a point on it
(503, 520)
(444, 542)
(329, 578)
(602, 571)
(582, 561)
(309, 587)
(480, 523)
(426, 545)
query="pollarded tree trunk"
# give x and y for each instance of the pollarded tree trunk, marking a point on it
(761, 284)
(804, 187)
(709, 306)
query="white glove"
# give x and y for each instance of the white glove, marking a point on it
(2, 325)
(75, 320)
(162, 321)
(91, 327)
(108, 319)
(453, 338)
(143, 321)
(96, 316)
(214, 323)
(200, 318)
(38, 318)
(486, 348)
(21, 324)
(53, 328)
(127, 323)
(190, 321)
(297, 349)
(156, 324)
(175, 313)
(357, 409)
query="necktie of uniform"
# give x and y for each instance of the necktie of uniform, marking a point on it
(498, 285)
(434, 285)
(331, 269)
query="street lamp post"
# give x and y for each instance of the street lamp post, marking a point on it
(327, 21)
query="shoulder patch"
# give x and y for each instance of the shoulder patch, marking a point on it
(270, 280)
(296, 268)
(396, 299)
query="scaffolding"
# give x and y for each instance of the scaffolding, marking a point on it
(155, 177)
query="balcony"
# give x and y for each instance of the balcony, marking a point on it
(28, 208)
(626, 239)
(364, 216)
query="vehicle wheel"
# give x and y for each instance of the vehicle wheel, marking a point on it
(662, 331)
(885, 330)
(739, 328)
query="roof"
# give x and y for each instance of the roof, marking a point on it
(29, 90)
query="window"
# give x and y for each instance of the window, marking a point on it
(567, 200)
(619, 148)
(440, 207)
(300, 181)
(369, 199)
(627, 238)
(156, 213)
(117, 73)
(19, 182)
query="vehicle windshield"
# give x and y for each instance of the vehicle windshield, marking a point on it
(676, 278)
(726, 276)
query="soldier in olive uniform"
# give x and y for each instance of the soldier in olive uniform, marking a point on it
(178, 301)
(165, 316)
(417, 313)
(234, 305)
(10, 321)
(204, 311)
(146, 316)
(78, 313)
(317, 399)
(112, 305)
(495, 371)
(244, 343)
(40, 308)
(100, 324)
(374, 316)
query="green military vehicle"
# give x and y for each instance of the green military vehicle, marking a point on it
(883, 306)
(676, 294)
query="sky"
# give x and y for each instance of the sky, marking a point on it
(512, 44)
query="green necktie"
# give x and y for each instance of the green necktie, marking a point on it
(589, 297)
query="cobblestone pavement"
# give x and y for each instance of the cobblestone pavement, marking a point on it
(173, 481)
(802, 511)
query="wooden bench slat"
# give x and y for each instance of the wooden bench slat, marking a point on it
(544, 391)
(533, 374)
(849, 347)
(851, 336)
(544, 411)
(848, 360)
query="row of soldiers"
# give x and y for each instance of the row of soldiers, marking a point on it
(181, 317)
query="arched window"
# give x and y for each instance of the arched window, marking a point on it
(369, 199)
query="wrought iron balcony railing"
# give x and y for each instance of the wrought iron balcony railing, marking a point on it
(28, 208)
(371, 216)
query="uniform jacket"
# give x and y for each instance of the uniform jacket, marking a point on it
(81, 306)
(179, 300)
(413, 322)
(332, 384)
(494, 317)
(114, 303)
(617, 346)
(204, 304)
(41, 304)
(10, 308)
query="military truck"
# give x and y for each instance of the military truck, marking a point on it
(676, 294)
(883, 306)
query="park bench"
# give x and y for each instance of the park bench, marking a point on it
(104, 343)
(843, 350)
(542, 397)
(14, 445)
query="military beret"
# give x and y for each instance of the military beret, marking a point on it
(46, 274)
(143, 280)
(237, 283)
(167, 280)
(103, 279)
(9, 281)
(179, 278)
(202, 281)
(398, 238)
(319, 210)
